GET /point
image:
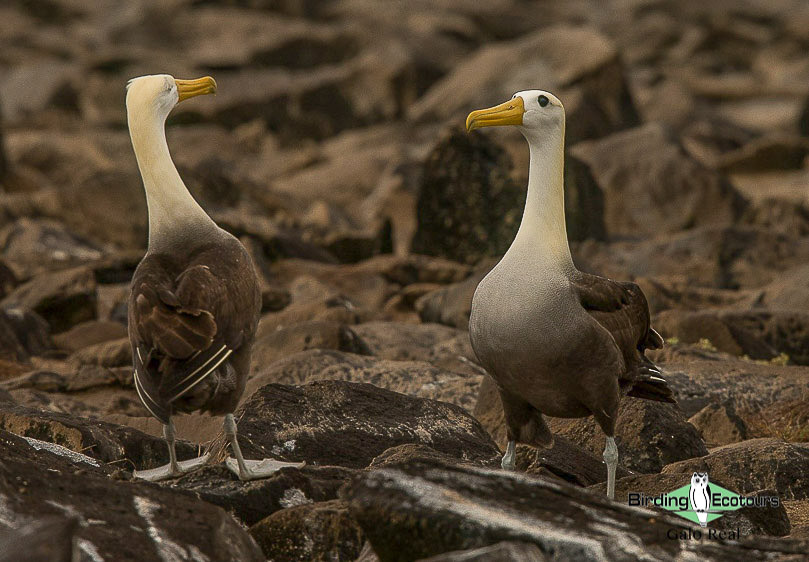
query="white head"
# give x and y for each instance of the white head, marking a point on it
(156, 95)
(539, 115)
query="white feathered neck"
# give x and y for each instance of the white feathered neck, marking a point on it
(171, 206)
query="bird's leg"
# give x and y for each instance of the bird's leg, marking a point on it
(248, 469)
(508, 462)
(611, 459)
(230, 435)
(168, 435)
(173, 469)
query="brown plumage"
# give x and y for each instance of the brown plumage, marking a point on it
(195, 302)
(192, 320)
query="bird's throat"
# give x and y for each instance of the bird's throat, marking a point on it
(542, 230)
(172, 209)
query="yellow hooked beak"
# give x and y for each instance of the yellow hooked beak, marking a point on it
(509, 113)
(199, 87)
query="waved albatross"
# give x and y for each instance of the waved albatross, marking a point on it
(195, 302)
(555, 340)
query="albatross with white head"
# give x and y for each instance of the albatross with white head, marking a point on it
(555, 340)
(194, 303)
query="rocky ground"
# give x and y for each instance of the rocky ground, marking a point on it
(335, 151)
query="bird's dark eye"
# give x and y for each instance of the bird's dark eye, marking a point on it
(543, 101)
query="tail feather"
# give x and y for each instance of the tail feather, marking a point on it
(649, 384)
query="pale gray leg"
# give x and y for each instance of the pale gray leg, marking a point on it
(248, 469)
(174, 468)
(611, 459)
(508, 462)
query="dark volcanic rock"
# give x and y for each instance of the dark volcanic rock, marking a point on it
(649, 434)
(348, 424)
(63, 298)
(319, 531)
(731, 257)
(468, 207)
(117, 520)
(402, 342)
(30, 330)
(252, 501)
(651, 185)
(47, 539)
(284, 341)
(777, 152)
(431, 509)
(565, 460)
(698, 382)
(100, 440)
(410, 452)
(8, 279)
(451, 305)
(89, 333)
(506, 551)
(578, 63)
(37, 245)
(719, 424)
(415, 378)
(759, 334)
(584, 202)
(756, 464)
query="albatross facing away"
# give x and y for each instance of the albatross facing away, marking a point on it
(195, 302)
(555, 340)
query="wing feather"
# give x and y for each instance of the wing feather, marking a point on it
(185, 326)
(622, 309)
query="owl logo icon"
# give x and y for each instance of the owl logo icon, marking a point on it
(700, 496)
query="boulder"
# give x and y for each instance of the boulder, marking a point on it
(410, 452)
(111, 353)
(734, 257)
(99, 440)
(117, 520)
(505, 551)
(30, 330)
(415, 378)
(758, 334)
(788, 291)
(565, 460)
(451, 305)
(397, 341)
(468, 207)
(652, 186)
(275, 345)
(63, 298)
(318, 531)
(89, 333)
(38, 245)
(8, 279)
(719, 424)
(253, 501)
(649, 434)
(699, 381)
(431, 509)
(48, 538)
(755, 464)
(774, 152)
(305, 422)
(578, 63)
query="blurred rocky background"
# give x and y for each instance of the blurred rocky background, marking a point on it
(335, 150)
